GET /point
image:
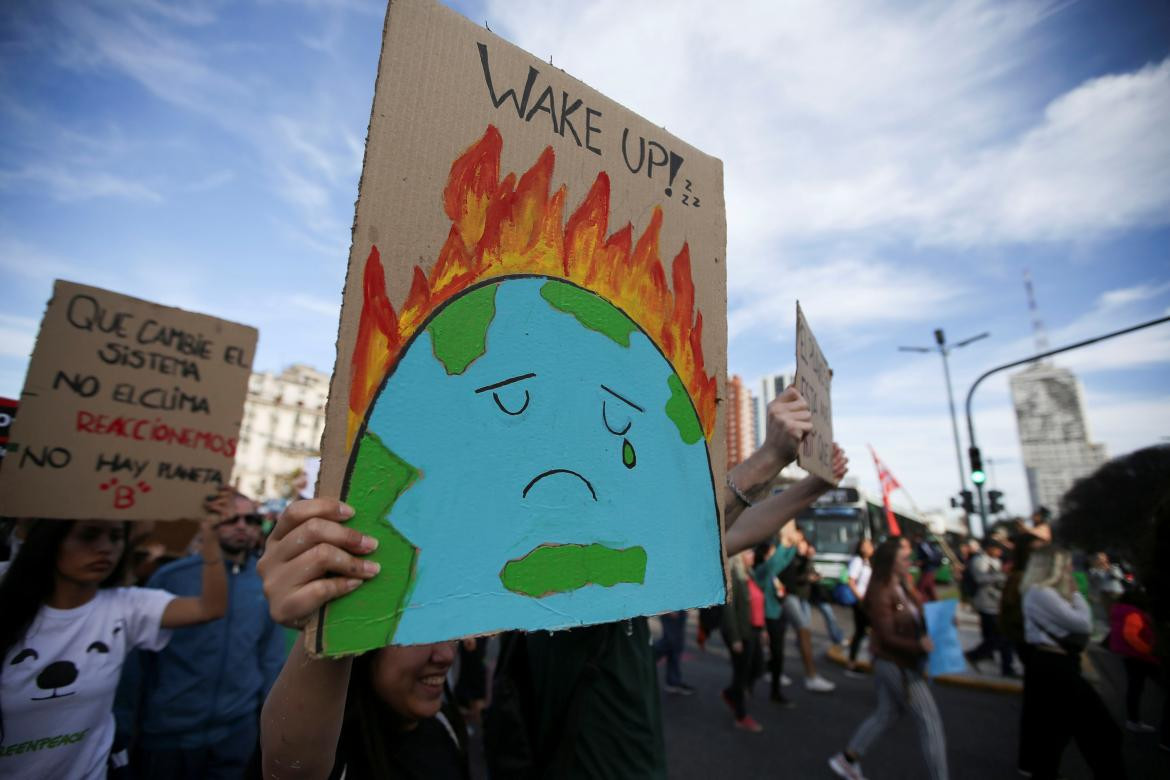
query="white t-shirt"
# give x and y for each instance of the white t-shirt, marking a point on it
(859, 572)
(57, 686)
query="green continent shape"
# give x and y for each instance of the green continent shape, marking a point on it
(368, 617)
(459, 333)
(592, 311)
(564, 567)
(681, 412)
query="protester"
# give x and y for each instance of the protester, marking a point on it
(859, 573)
(900, 646)
(969, 550)
(797, 579)
(1131, 636)
(1106, 584)
(737, 633)
(770, 560)
(670, 646)
(987, 569)
(1011, 627)
(756, 598)
(200, 696)
(1057, 624)
(65, 629)
(471, 687)
(1041, 528)
(822, 599)
(929, 560)
(379, 715)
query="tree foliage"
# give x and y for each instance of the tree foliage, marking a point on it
(1115, 507)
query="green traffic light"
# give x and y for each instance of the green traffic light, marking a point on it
(978, 477)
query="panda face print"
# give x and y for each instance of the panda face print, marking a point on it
(58, 676)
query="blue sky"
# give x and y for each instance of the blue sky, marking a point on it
(894, 166)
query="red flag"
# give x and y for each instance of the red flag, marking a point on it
(889, 485)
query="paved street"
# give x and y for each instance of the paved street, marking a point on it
(980, 724)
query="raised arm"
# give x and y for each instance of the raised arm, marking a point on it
(302, 716)
(211, 603)
(778, 513)
(788, 420)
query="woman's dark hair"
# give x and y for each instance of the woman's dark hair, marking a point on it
(370, 726)
(860, 543)
(28, 584)
(883, 560)
(1021, 551)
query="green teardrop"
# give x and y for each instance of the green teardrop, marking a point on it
(628, 456)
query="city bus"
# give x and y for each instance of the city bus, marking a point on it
(841, 518)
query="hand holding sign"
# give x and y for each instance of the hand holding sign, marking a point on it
(306, 548)
(788, 421)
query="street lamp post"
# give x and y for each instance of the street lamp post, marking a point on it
(944, 350)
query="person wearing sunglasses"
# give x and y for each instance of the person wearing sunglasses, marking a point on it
(198, 700)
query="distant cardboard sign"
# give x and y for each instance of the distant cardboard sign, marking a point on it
(130, 410)
(813, 378)
(532, 341)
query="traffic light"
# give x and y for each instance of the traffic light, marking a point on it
(995, 497)
(968, 502)
(977, 475)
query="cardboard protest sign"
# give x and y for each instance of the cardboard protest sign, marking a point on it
(130, 410)
(813, 377)
(532, 342)
(947, 656)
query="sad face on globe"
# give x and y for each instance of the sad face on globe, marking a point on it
(532, 460)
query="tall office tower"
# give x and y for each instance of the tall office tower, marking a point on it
(740, 422)
(1054, 434)
(771, 386)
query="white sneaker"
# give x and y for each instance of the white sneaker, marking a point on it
(1138, 727)
(818, 684)
(785, 681)
(841, 766)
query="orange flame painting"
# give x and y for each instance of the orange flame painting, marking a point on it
(508, 227)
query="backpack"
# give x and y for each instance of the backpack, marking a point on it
(511, 724)
(968, 586)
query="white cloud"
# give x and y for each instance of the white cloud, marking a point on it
(68, 185)
(21, 258)
(836, 294)
(1098, 162)
(1127, 296)
(911, 120)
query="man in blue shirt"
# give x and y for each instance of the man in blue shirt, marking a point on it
(199, 699)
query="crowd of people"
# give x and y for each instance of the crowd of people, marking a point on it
(118, 664)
